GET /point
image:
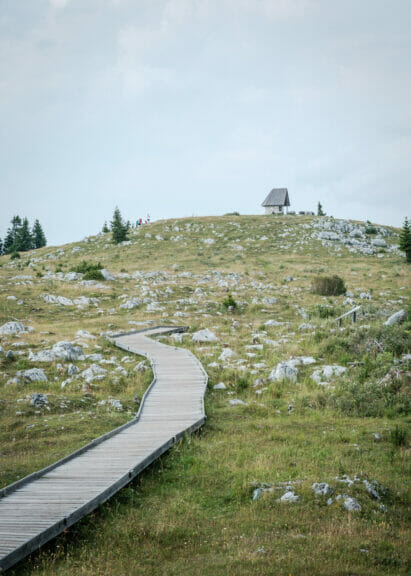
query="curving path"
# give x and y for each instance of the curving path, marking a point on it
(39, 507)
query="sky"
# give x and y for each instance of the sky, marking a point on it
(200, 107)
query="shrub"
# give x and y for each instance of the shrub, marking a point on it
(328, 285)
(230, 303)
(324, 311)
(15, 256)
(89, 270)
(398, 436)
(370, 229)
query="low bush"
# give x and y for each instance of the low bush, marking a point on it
(90, 270)
(398, 436)
(15, 256)
(370, 229)
(328, 285)
(230, 303)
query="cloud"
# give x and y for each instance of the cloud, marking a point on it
(58, 4)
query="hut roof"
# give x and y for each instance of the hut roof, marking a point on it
(277, 197)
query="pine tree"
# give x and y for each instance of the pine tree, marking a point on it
(105, 228)
(23, 239)
(118, 228)
(39, 238)
(10, 241)
(320, 211)
(1, 247)
(405, 240)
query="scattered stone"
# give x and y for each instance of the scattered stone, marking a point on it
(115, 403)
(131, 304)
(141, 367)
(237, 402)
(137, 399)
(326, 373)
(14, 328)
(284, 371)
(226, 354)
(1, 351)
(322, 489)
(84, 334)
(396, 318)
(204, 336)
(38, 400)
(94, 372)
(290, 496)
(351, 504)
(107, 275)
(10, 355)
(53, 299)
(35, 375)
(272, 323)
(220, 386)
(60, 351)
(377, 437)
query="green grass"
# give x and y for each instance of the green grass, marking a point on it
(192, 512)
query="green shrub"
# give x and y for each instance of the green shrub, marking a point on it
(90, 270)
(15, 256)
(229, 302)
(328, 285)
(370, 229)
(398, 436)
(324, 311)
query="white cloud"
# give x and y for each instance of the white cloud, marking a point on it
(59, 4)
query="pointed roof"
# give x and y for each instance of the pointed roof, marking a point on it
(277, 197)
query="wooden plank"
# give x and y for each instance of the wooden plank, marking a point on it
(42, 505)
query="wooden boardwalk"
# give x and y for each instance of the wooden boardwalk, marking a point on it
(39, 507)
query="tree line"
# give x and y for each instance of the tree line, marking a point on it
(20, 237)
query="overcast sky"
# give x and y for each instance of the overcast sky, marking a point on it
(181, 107)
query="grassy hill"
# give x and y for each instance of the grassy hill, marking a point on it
(213, 504)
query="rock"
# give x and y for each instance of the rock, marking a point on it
(95, 357)
(322, 489)
(290, 496)
(131, 304)
(60, 351)
(114, 403)
(226, 354)
(10, 355)
(141, 367)
(327, 372)
(35, 375)
(107, 275)
(209, 241)
(93, 372)
(257, 493)
(38, 400)
(137, 399)
(284, 371)
(1, 351)
(272, 323)
(371, 488)
(220, 386)
(72, 369)
(204, 336)
(84, 334)
(379, 243)
(396, 318)
(53, 299)
(351, 504)
(237, 402)
(14, 328)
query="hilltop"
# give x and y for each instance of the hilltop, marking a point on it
(302, 401)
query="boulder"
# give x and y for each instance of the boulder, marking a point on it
(38, 400)
(237, 402)
(107, 275)
(327, 373)
(396, 318)
(93, 372)
(284, 371)
(72, 370)
(60, 351)
(131, 304)
(351, 504)
(226, 354)
(14, 328)
(84, 334)
(204, 336)
(272, 323)
(35, 375)
(53, 299)
(220, 386)
(322, 489)
(290, 496)
(10, 355)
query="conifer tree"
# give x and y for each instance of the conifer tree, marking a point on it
(1, 247)
(23, 239)
(10, 241)
(105, 228)
(118, 228)
(38, 236)
(320, 211)
(405, 240)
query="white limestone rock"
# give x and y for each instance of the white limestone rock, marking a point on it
(93, 372)
(284, 371)
(35, 375)
(10, 328)
(107, 275)
(226, 354)
(396, 318)
(220, 386)
(326, 373)
(204, 336)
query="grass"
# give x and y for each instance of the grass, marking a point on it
(192, 512)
